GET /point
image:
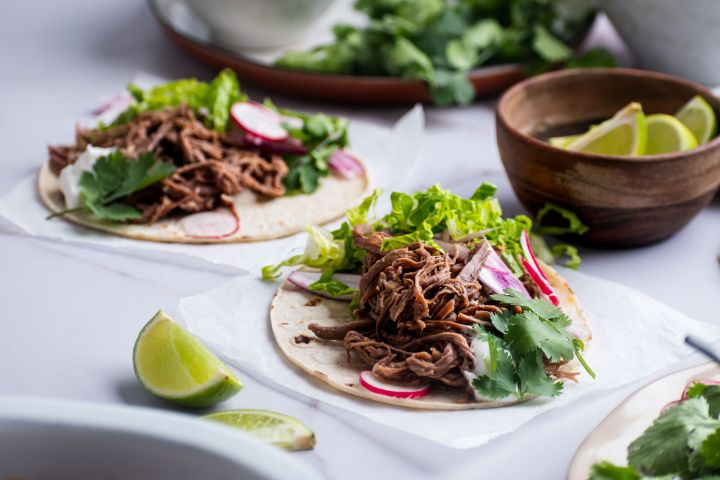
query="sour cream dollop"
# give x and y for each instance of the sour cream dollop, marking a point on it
(70, 175)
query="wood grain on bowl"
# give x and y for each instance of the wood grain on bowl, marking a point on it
(626, 201)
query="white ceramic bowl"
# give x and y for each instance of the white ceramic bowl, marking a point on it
(680, 37)
(257, 24)
(47, 439)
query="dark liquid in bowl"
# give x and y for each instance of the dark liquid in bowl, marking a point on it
(544, 132)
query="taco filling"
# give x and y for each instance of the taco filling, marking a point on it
(188, 146)
(448, 293)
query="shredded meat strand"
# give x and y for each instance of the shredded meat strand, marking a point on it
(210, 168)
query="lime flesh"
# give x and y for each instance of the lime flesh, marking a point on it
(562, 142)
(699, 117)
(624, 134)
(272, 427)
(173, 365)
(667, 134)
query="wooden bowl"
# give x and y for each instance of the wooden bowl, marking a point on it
(626, 201)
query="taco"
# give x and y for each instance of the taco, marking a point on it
(195, 162)
(440, 304)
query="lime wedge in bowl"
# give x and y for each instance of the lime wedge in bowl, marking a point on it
(699, 117)
(173, 365)
(562, 142)
(272, 427)
(623, 134)
(667, 134)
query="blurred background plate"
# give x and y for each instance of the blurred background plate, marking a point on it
(44, 439)
(609, 441)
(254, 65)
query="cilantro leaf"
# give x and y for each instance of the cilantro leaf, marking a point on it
(541, 307)
(670, 434)
(710, 449)
(711, 393)
(114, 177)
(533, 379)
(501, 380)
(526, 333)
(548, 46)
(608, 471)
(593, 58)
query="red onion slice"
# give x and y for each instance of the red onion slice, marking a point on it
(345, 164)
(498, 277)
(303, 279)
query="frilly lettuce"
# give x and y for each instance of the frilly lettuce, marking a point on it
(420, 216)
(211, 101)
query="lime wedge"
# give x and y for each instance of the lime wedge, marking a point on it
(623, 134)
(272, 427)
(667, 134)
(562, 142)
(173, 365)
(700, 118)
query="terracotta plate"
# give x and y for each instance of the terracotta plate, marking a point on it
(177, 22)
(609, 441)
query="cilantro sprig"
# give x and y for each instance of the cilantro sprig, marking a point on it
(112, 178)
(519, 343)
(683, 442)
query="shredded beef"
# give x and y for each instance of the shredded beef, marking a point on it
(210, 168)
(417, 311)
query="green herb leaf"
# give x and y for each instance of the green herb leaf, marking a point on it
(670, 434)
(335, 288)
(114, 177)
(608, 471)
(593, 58)
(527, 333)
(548, 46)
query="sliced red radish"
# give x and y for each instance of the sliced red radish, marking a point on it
(533, 268)
(304, 279)
(345, 164)
(541, 282)
(258, 120)
(671, 404)
(210, 225)
(373, 384)
(498, 277)
(704, 381)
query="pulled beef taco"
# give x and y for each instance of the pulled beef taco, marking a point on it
(196, 162)
(441, 304)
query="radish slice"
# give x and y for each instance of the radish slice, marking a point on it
(304, 279)
(345, 165)
(529, 254)
(373, 384)
(258, 120)
(531, 265)
(671, 404)
(214, 224)
(704, 381)
(498, 277)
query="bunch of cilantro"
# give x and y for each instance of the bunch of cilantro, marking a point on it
(519, 343)
(440, 41)
(682, 443)
(320, 134)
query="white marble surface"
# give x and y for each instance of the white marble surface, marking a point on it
(70, 315)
